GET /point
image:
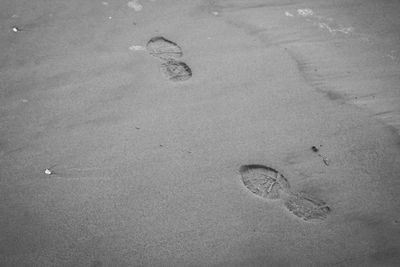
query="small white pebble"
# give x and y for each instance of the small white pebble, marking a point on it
(47, 171)
(288, 14)
(137, 48)
(15, 29)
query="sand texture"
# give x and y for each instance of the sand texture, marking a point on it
(199, 133)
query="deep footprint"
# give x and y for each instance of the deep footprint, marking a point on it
(176, 70)
(163, 48)
(264, 181)
(307, 207)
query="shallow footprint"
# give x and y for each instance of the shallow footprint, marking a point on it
(163, 48)
(176, 70)
(264, 181)
(307, 207)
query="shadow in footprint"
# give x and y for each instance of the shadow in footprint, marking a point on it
(307, 207)
(163, 48)
(176, 70)
(264, 181)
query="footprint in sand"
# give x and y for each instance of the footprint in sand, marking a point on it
(264, 181)
(176, 70)
(307, 207)
(268, 183)
(169, 52)
(163, 48)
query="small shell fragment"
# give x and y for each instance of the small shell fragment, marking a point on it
(47, 171)
(306, 12)
(326, 161)
(135, 4)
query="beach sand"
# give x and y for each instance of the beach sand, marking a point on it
(145, 171)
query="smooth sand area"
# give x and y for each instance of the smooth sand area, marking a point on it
(145, 170)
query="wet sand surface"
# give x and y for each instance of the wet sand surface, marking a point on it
(147, 170)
